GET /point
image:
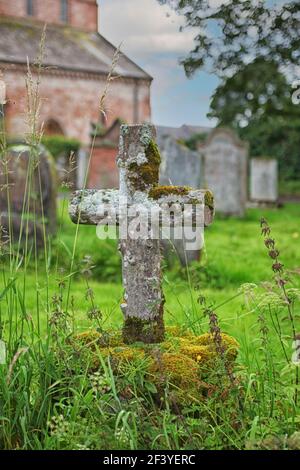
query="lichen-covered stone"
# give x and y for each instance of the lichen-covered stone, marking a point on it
(209, 199)
(138, 161)
(144, 173)
(159, 191)
(27, 174)
(148, 331)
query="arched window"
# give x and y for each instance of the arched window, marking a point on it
(30, 8)
(52, 127)
(64, 13)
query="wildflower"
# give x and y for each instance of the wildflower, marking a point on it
(270, 242)
(99, 383)
(273, 254)
(87, 263)
(277, 267)
(201, 300)
(58, 426)
(215, 330)
(281, 282)
(94, 314)
(266, 231)
(263, 222)
(89, 294)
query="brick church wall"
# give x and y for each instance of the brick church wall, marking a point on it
(82, 14)
(103, 168)
(73, 102)
(70, 99)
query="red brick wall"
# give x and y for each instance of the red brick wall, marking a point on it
(83, 14)
(103, 169)
(13, 7)
(73, 102)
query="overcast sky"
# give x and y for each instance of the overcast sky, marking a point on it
(151, 37)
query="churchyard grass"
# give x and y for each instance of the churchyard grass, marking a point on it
(55, 402)
(234, 254)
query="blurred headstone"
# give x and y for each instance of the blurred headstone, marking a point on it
(82, 167)
(264, 180)
(27, 193)
(179, 167)
(225, 170)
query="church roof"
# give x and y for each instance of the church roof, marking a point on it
(183, 132)
(66, 48)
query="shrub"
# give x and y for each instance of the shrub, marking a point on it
(60, 145)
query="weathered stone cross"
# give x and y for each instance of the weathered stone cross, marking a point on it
(138, 163)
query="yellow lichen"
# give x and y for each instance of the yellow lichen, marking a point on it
(160, 191)
(90, 338)
(147, 174)
(177, 369)
(177, 331)
(209, 199)
(181, 359)
(126, 353)
(197, 353)
(94, 339)
(201, 348)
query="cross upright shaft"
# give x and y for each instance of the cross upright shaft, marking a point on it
(142, 306)
(138, 163)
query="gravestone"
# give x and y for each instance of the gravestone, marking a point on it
(264, 180)
(27, 193)
(138, 162)
(225, 165)
(179, 166)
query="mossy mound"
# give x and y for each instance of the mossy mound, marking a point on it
(180, 360)
(94, 340)
(180, 371)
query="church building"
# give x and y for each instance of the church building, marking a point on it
(77, 60)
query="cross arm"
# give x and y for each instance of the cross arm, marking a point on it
(87, 206)
(184, 195)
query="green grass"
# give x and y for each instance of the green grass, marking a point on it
(52, 398)
(290, 188)
(234, 254)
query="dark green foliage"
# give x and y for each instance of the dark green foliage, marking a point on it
(228, 35)
(257, 103)
(59, 145)
(257, 91)
(193, 142)
(254, 99)
(279, 138)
